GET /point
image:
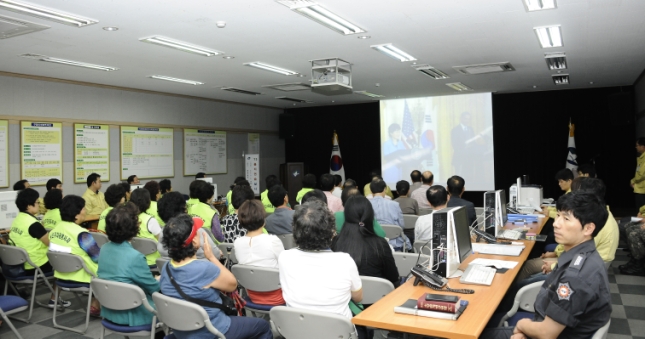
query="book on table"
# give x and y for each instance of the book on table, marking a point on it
(410, 307)
(437, 305)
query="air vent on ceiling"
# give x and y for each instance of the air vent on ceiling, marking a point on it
(290, 87)
(495, 67)
(11, 27)
(241, 91)
(295, 100)
(431, 72)
(371, 95)
(560, 79)
(555, 61)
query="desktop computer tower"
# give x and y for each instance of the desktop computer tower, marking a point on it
(439, 237)
(495, 215)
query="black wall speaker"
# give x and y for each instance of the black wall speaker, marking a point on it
(287, 126)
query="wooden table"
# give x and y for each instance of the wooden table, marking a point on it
(481, 306)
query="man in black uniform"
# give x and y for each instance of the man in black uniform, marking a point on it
(574, 301)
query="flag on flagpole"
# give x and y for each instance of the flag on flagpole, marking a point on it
(336, 161)
(572, 158)
(409, 136)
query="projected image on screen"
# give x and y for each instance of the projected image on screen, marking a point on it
(447, 135)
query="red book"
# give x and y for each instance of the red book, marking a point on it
(436, 306)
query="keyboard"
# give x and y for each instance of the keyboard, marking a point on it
(478, 275)
(510, 234)
(497, 249)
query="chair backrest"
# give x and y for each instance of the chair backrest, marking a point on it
(225, 247)
(526, 296)
(405, 261)
(231, 256)
(143, 245)
(182, 315)
(12, 255)
(424, 211)
(67, 262)
(299, 323)
(601, 333)
(160, 262)
(419, 248)
(392, 231)
(257, 279)
(119, 296)
(608, 265)
(287, 241)
(374, 289)
(409, 220)
(100, 238)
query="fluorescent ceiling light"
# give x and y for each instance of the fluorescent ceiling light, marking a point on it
(539, 5)
(431, 72)
(555, 61)
(45, 13)
(458, 86)
(183, 81)
(371, 95)
(182, 46)
(549, 36)
(323, 16)
(270, 68)
(560, 79)
(69, 62)
(394, 52)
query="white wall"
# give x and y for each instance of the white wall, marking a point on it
(27, 99)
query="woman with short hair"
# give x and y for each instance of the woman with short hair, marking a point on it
(114, 195)
(52, 200)
(149, 227)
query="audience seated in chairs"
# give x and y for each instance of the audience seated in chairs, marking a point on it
(149, 227)
(230, 223)
(29, 234)
(257, 248)
(114, 195)
(204, 191)
(171, 205)
(312, 276)
(340, 216)
(69, 237)
(203, 281)
(280, 221)
(388, 212)
(155, 194)
(371, 253)
(408, 205)
(119, 261)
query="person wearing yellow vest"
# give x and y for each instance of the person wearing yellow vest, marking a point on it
(52, 200)
(114, 195)
(638, 181)
(155, 194)
(94, 198)
(229, 195)
(204, 193)
(69, 237)
(51, 184)
(149, 227)
(165, 186)
(171, 205)
(192, 200)
(308, 184)
(30, 235)
(270, 181)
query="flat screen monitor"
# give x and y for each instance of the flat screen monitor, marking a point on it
(462, 233)
(8, 208)
(502, 206)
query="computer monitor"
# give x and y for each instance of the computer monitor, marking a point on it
(451, 241)
(494, 211)
(462, 233)
(8, 208)
(134, 187)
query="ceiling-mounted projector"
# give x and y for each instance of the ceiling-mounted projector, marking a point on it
(332, 76)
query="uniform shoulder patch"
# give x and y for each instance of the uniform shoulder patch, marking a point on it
(564, 291)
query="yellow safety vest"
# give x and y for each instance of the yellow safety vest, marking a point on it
(152, 210)
(144, 218)
(36, 249)
(51, 219)
(66, 235)
(101, 226)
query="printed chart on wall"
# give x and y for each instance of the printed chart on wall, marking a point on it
(204, 151)
(147, 152)
(252, 166)
(41, 151)
(4, 154)
(91, 151)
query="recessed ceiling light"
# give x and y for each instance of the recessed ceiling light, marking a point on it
(321, 15)
(69, 62)
(183, 81)
(111, 29)
(539, 5)
(364, 37)
(371, 95)
(561, 79)
(458, 86)
(270, 68)
(555, 61)
(46, 13)
(431, 72)
(534, 86)
(182, 46)
(228, 57)
(549, 36)
(393, 52)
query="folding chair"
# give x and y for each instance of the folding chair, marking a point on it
(160, 262)
(69, 263)
(257, 279)
(182, 315)
(100, 238)
(405, 261)
(374, 289)
(225, 248)
(420, 248)
(120, 296)
(287, 241)
(601, 333)
(146, 247)
(393, 232)
(300, 323)
(10, 304)
(12, 255)
(524, 299)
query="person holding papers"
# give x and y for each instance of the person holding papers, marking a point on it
(574, 301)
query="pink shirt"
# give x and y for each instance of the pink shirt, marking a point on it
(334, 203)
